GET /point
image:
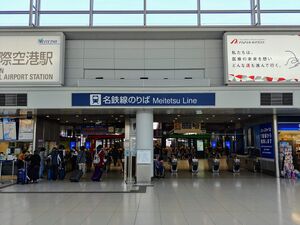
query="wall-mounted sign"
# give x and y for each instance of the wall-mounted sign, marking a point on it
(266, 141)
(144, 157)
(262, 58)
(31, 60)
(143, 99)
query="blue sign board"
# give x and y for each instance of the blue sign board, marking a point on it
(143, 99)
(266, 141)
(288, 126)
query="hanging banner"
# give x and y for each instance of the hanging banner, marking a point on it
(266, 141)
(31, 60)
(262, 59)
(9, 129)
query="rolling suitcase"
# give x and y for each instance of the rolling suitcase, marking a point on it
(22, 176)
(76, 175)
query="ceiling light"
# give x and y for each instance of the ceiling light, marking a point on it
(84, 118)
(77, 116)
(239, 118)
(213, 115)
(249, 115)
(199, 111)
(67, 121)
(58, 119)
(47, 116)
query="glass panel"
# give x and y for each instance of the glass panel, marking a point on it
(225, 19)
(171, 20)
(225, 4)
(280, 18)
(64, 20)
(65, 5)
(15, 5)
(118, 5)
(118, 20)
(171, 5)
(14, 20)
(280, 4)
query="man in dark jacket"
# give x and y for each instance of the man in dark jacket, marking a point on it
(34, 167)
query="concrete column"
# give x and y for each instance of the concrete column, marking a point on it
(276, 149)
(144, 145)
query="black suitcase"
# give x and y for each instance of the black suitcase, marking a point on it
(76, 175)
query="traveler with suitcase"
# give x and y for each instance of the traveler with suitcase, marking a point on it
(77, 174)
(55, 161)
(98, 163)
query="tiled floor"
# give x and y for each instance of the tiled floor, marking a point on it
(185, 200)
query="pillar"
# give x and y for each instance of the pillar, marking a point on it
(144, 145)
(276, 148)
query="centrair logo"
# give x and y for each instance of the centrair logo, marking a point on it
(234, 41)
(43, 41)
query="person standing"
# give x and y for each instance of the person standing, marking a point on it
(82, 160)
(42, 162)
(34, 167)
(98, 163)
(55, 161)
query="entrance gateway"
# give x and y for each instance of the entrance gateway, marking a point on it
(241, 86)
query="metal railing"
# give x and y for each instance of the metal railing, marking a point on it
(254, 12)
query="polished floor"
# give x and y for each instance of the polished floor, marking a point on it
(184, 200)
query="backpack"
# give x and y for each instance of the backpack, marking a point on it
(96, 159)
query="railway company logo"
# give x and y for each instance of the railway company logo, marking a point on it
(95, 99)
(236, 41)
(44, 41)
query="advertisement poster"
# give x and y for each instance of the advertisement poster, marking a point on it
(200, 146)
(262, 58)
(25, 129)
(9, 129)
(266, 141)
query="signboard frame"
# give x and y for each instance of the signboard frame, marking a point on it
(61, 62)
(247, 83)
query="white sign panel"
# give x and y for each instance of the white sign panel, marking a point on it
(262, 59)
(31, 60)
(144, 157)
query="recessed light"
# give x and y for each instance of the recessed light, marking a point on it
(249, 115)
(58, 118)
(239, 118)
(207, 118)
(67, 121)
(47, 116)
(77, 115)
(178, 115)
(91, 121)
(213, 115)
(231, 121)
(84, 118)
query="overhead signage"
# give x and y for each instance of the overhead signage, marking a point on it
(143, 99)
(31, 60)
(289, 126)
(266, 141)
(262, 59)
